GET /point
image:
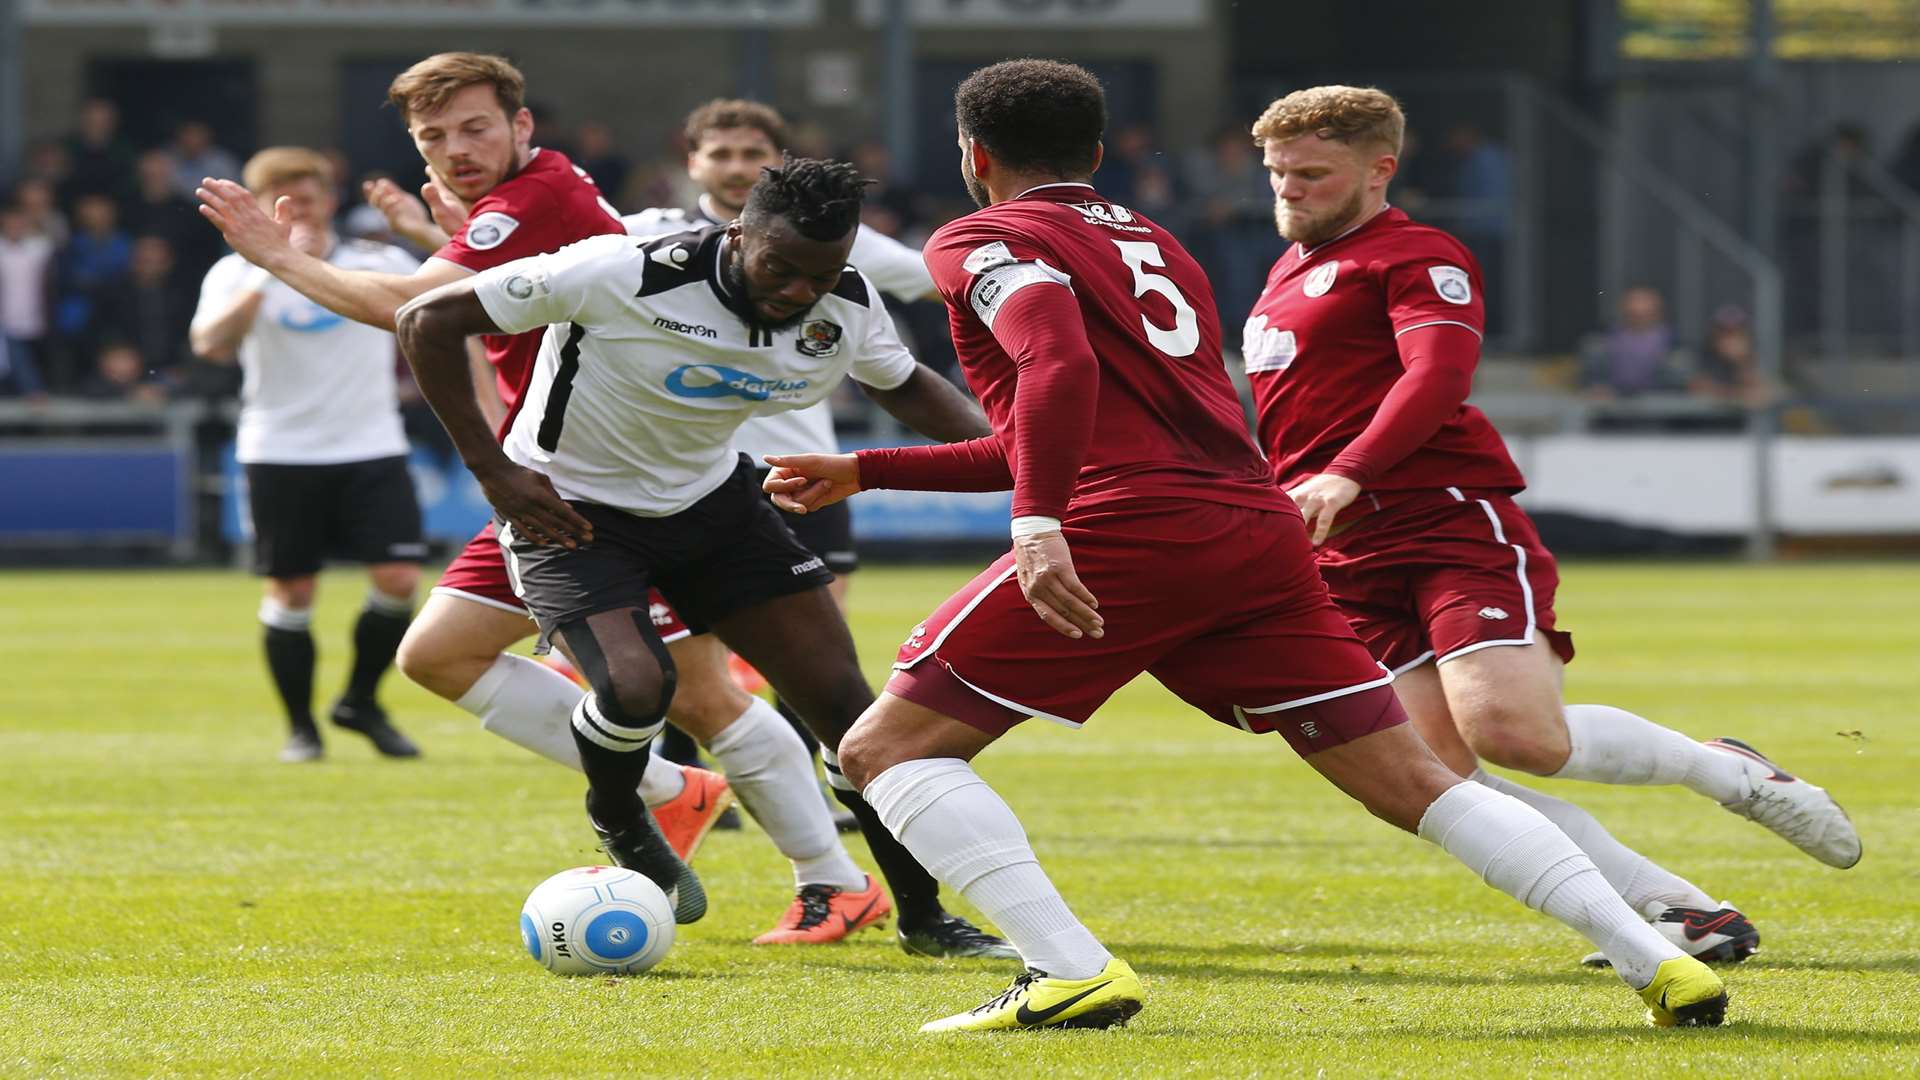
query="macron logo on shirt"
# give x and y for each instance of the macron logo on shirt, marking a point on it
(689, 329)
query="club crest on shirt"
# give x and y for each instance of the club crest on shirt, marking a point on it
(490, 230)
(1320, 279)
(523, 286)
(819, 338)
(1451, 283)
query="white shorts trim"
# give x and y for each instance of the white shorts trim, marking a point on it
(1478, 645)
(959, 617)
(1011, 704)
(1413, 663)
(1240, 712)
(678, 635)
(1520, 571)
(448, 590)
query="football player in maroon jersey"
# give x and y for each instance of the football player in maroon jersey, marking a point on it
(1361, 352)
(1147, 537)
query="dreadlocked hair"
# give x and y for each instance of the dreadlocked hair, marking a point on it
(821, 199)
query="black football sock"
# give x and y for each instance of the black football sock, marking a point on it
(916, 895)
(290, 659)
(376, 638)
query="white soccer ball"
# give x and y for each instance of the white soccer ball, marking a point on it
(597, 920)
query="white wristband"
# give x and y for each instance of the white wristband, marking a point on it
(1034, 524)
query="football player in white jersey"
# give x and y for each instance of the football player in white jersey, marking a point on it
(325, 456)
(619, 474)
(729, 141)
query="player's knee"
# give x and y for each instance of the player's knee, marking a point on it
(1516, 736)
(863, 756)
(633, 688)
(294, 594)
(397, 580)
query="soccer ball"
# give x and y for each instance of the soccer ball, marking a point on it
(597, 920)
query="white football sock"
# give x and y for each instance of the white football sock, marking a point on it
(529, 704)
(771, 773)
(967, 836)
(1643, 884)
(1613, 746)
(1516, 850)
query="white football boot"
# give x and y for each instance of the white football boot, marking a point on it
(1803, 814)
(1713, 936)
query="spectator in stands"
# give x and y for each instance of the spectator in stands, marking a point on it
(96, 261)
(1638, 356)
(158, 210)
(25, 260)
(99, 161)
(121, 374)
(1136, 175)
(196, 156)
(35, 199)
(603, 160)
(152, 309)
(1482, 181)
(1727, 369)
(1233, 235)
(1906, 165)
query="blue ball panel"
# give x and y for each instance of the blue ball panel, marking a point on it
(616, 935)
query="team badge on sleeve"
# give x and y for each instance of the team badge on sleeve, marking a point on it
(986, 257)
(523, 286)
(819, 338)
(490, 230)
(1451, 283)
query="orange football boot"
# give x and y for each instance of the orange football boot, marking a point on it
(686, 819)
(823, 913)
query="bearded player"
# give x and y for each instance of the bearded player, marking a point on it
(1147, 537)
(1361, 353)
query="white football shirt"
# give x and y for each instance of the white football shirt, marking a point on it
(648, 367)
(893, 266)
(316, 388)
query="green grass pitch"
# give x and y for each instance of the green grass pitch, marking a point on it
(174, 902)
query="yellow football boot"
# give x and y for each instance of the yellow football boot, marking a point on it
(1685, 993)
(1037, 1000)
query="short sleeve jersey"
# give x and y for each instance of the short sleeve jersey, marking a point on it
(1168, 422)
(892, 266)
(1322, 351)
(316, 388)
(547, 205)
(650, 362)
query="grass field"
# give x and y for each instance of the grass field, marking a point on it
(172, 901)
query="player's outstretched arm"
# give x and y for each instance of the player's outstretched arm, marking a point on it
(433, 332)
(932, 406)
(365, 296)
(803, 483)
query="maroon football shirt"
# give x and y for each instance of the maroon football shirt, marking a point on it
(1321, 352)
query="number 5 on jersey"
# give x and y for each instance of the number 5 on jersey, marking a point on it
(1184, 338)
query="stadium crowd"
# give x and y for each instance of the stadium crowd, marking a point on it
(102, 251)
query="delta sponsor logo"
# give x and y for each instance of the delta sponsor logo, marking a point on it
(718, 380)
(689, 329)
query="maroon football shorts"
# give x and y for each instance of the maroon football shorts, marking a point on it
(1441, 574)
(479, 573)
(1220, 603)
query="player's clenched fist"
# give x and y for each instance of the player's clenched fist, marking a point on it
(803, 483)
(1045, 570)
(1321, 498)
